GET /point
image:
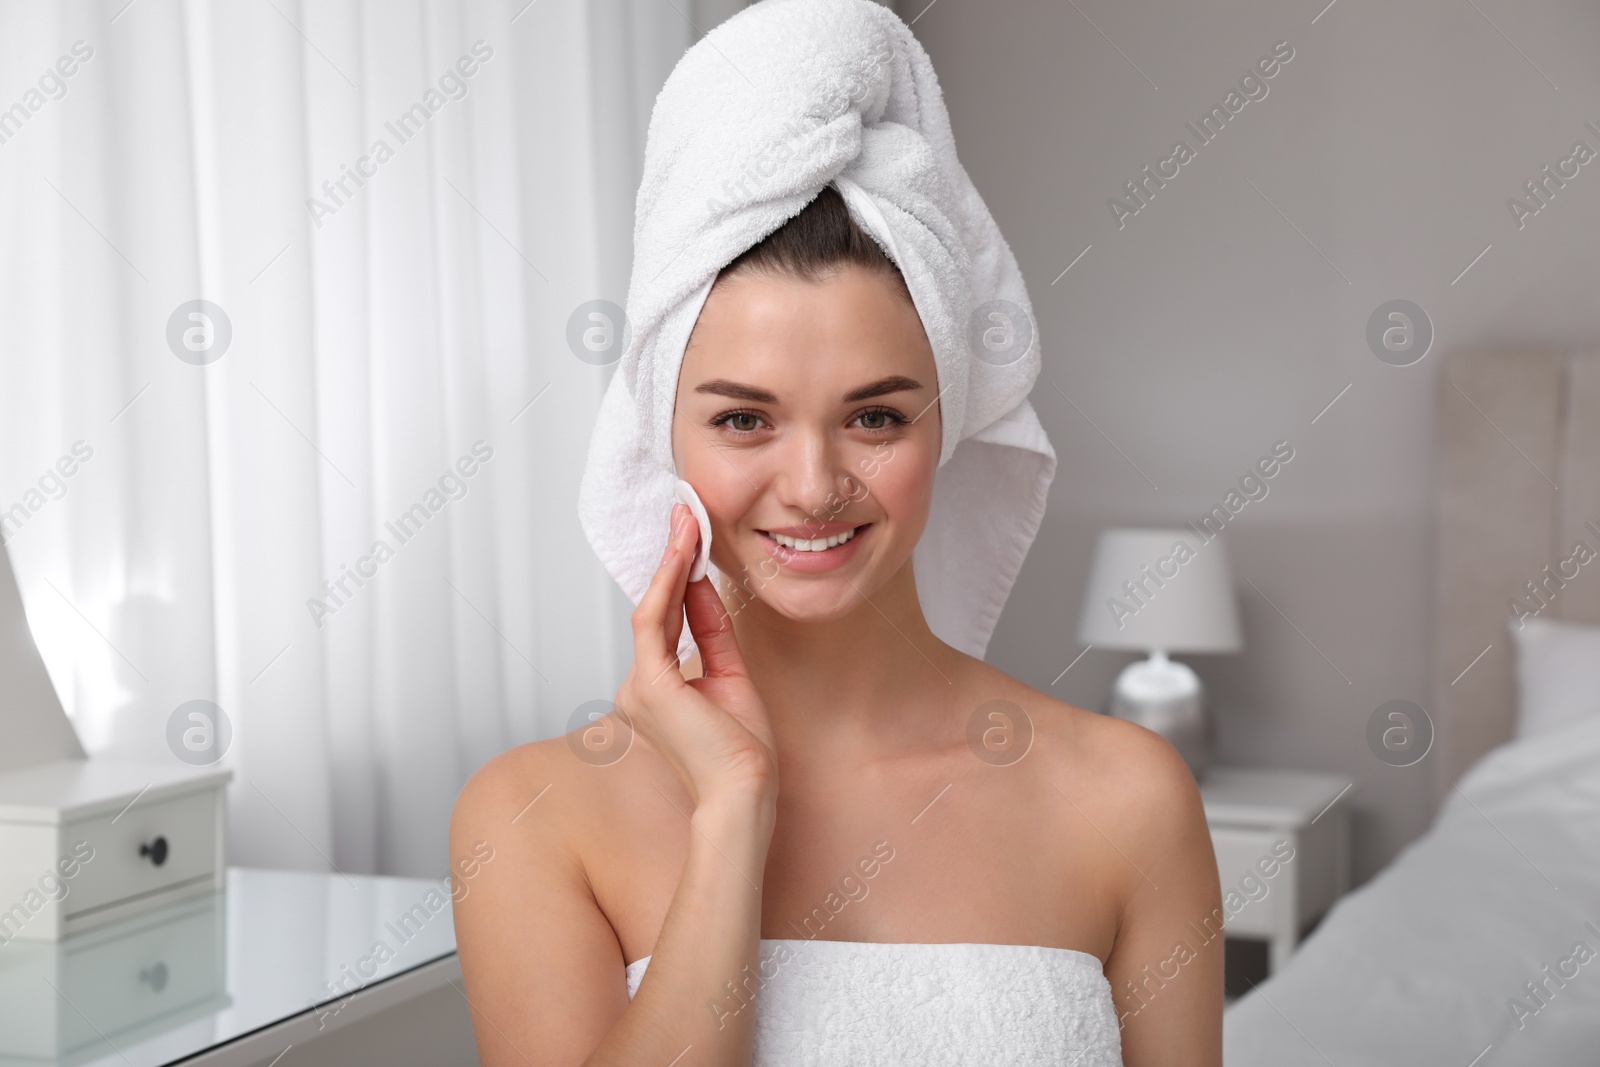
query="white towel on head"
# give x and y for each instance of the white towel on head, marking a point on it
(782, 99)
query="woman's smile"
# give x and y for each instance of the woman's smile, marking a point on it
(815, 547)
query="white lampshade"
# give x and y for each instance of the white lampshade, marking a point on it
(1160, 589)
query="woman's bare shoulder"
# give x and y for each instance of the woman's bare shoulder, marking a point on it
(541, 791)
(566, 792)
(1130, 772)
(535, 789)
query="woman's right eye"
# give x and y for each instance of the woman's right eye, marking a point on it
(743, 422)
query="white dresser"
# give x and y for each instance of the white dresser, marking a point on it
(85, 842)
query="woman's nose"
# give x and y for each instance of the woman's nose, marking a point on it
(813, 470)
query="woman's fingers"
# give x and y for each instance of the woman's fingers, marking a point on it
(650, 617)
(713, 731)
(712, 628)
(684, 537)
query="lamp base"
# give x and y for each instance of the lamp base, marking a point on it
(1166, 697)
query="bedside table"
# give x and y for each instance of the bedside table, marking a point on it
(1282, 840)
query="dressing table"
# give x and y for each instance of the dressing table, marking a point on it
(356, 969)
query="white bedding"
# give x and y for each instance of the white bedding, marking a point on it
(1421, 964)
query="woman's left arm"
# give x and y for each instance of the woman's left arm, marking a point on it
(1165, 966)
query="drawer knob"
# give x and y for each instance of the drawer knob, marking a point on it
(156, 850)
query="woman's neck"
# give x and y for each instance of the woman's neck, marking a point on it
(876, 682)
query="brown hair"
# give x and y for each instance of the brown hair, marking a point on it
(815, 243)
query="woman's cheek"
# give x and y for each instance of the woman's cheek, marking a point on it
(728, 500)
(901, 477)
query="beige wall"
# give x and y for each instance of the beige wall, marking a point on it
(1208, 328)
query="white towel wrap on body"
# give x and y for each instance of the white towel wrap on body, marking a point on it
(866, 1004)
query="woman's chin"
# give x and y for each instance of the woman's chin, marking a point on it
(812, 598)
(817, 607)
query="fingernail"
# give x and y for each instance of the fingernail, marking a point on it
(679, 513)
(672, 534)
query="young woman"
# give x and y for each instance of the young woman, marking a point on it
(809, 802)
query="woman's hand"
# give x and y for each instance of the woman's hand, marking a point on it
(542, 961)
(714, 729)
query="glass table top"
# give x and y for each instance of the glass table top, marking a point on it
(158, 987)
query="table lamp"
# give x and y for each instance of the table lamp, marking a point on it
(1161, 591)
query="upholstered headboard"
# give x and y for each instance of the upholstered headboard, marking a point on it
(1518, 455)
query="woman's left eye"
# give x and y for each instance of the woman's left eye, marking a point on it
(892, 419)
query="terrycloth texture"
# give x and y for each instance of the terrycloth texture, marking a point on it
(772, 105)
(867, 1004)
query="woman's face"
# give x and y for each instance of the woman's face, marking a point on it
(808, 410)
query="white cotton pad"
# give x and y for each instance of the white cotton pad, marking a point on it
(685, 494)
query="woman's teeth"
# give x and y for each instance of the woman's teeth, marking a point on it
(819, 545)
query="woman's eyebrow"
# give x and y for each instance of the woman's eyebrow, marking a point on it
(896, 383)
(723, 387)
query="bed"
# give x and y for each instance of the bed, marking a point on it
(1479, 945)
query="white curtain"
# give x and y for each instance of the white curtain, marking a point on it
(398, 372)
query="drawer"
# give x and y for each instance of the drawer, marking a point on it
(143, 975)
(1244, 858)
(60, 1000)
(117, 871)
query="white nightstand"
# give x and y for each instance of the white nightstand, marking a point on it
(1282, 840)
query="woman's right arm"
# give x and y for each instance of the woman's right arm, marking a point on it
(541, 963)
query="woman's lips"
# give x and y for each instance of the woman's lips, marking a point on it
(816, 562)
